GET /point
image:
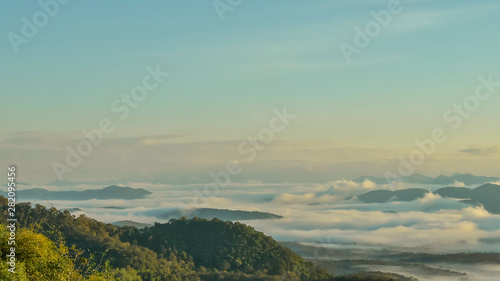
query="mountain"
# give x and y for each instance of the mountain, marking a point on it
(415, 178)
(58, 246)
(110, 192)
(209, 213)
(223, 245)
(115, 207)
(185, 249)
(443, 180)
(63, 183)
(410, 194)
(131, 223)
(418, 178)
(19, 184)
(467, 179)
(487, 195)
(72, 210)
(376, 196)
(380, 196)
(455, 192)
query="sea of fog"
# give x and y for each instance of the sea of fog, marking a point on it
(326, 216)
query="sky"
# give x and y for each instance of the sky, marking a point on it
(230, 71)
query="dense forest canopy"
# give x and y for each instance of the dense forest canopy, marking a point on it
(55, 245)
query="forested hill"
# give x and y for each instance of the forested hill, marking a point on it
(55, 245)
(223, 245)
(179, 250)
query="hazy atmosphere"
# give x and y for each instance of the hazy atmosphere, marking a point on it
(362, 135)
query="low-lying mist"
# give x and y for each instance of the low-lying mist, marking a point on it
(328, 215)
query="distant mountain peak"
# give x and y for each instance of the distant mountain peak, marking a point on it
(466, 178)
(487, 195)
(109, 192)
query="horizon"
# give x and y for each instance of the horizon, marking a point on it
(226, 79)
(387, 181)
(290, 140)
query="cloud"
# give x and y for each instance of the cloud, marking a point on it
(177, 159)
(474, 213)
(458, 184)
(34, 139)
(368, 184)
(482, 151)
(429, 197)
(308, 198)
(420, 19)
(315, 211)
(150, 140)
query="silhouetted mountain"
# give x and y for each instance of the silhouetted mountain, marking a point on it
(110, 192)
(418, 178)
(415, 178)
(467, 179)
(487, 195)
(376, 196)
(19, 184)
(410, 194)
(115, 207)
(380, 196)
(63, 183)
(208, 213)
(130, 223)
(455, 192)
(72, 210)
(443, 180)
(463, 258)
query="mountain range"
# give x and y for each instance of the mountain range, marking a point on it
(210, 213)
(110, 192)
(487, 195)
(467, 179)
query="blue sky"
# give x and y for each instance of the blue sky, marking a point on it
(227, 76)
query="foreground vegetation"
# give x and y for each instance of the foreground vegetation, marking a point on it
(55, 245)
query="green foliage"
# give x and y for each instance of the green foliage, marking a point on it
(55, 245)
(225, 246)
(38, 258)
(92, 239)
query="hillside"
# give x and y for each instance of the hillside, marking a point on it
(130, 223)
(210, 213)
(223, 245)
(467, 179)
(380, 196)
(415, 178)
(487, 195)
(56, 244)
(186, 249)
